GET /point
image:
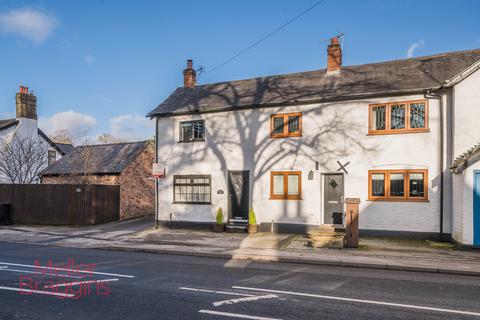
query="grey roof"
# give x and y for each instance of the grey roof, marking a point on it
(65, 147)
(463, 161)
(102, 159)
(376, 79)
(6, 123)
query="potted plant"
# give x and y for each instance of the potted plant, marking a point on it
(252, 222)
(219, 226)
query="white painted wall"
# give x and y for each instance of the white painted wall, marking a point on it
(331, 131)
(463, 205)
(26, 128)
(466, 114)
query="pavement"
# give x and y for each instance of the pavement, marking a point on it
(133, 285)
(139, 236)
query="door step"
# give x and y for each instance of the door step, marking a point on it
(237, 224)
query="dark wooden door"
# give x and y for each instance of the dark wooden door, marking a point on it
(333, 199)
(238, 194)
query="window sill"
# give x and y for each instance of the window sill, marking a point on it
(286, 136)
(194, 203)
(399, 200)
(190, 141)
(389, 132)
(285, 198)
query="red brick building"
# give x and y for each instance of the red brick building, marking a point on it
(125, 164)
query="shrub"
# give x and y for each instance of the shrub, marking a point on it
(219, 215)
(251, 217)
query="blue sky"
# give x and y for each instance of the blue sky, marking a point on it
(100, 65)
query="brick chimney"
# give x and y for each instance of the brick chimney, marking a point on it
(26, 104)
(189, 75)
(334, 60)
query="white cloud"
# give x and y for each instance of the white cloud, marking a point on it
(414, 47)
(31, 24)
(79, 125)
(131, 127)
(89, 59)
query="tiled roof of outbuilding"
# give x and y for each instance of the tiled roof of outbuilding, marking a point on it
(392, 77)
(103, 159)
(461, 162)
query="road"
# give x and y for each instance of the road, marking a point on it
(128, 285)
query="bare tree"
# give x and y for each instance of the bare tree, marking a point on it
(84, 163)
(105, 138)
(21, 159)
(62, 136)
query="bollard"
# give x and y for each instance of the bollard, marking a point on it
(351, 222)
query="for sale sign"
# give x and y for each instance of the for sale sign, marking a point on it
(158, 170)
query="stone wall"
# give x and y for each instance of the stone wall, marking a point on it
(137, 189)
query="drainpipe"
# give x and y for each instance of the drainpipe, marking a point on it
(434, 95)
(156, 178)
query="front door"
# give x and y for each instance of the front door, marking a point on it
(333, 199)
(238, 194)
(476, 208)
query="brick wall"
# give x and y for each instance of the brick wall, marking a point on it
(137, 190)
(93, 179)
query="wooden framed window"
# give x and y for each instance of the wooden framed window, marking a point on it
(52, 157)
(192, 131)
(398, 117)
(286, 185)
(398, 185)
(192, 189)
(286, 125)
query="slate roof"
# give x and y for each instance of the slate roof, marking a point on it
(105, 159)
(462, 161)
(376, 79)
(6, 123)
(65, 147)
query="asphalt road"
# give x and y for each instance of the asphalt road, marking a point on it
(124, 285)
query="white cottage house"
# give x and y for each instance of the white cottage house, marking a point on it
(294, 146)
(24, 128)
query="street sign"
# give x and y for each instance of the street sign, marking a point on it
(158, 170)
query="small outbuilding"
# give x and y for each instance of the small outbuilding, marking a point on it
(125, 164)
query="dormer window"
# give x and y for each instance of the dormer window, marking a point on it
(398, 117)
(191, 131)
(286, 125)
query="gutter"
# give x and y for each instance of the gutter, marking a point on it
(432, 94)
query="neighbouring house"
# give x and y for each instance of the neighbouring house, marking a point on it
(127, 164)
(28, 140)
(294, 146)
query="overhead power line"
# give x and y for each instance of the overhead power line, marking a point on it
(264, 38)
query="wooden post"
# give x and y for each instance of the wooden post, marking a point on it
(351, 237)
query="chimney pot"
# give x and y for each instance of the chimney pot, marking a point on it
(334, 56)
(189, 75)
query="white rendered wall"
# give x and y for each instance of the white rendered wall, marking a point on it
(331, 131)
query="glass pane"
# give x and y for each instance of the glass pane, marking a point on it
(278, 125)
(293, 188)
(278, 184)
(416, 185)
(397, 117)
(397, 185)
(417, 115)
(198, 130)
(378, 185)
(186, 131)
(294, 124)
(378, 118)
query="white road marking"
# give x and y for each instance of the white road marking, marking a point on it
(79, 282)
(238, 300)
(235, 315)
(26, 271)
(48, 293)
(63, 269)
(218, 292)
(390, 304)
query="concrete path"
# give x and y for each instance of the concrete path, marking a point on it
(139, 235)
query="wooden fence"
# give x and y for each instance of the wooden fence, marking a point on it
(61, 204)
